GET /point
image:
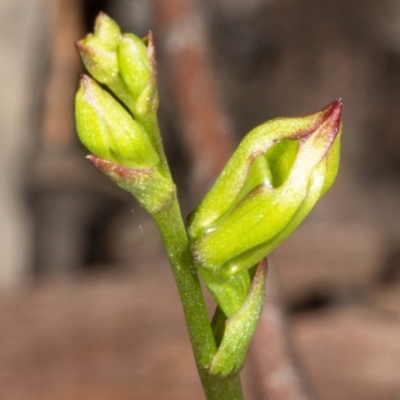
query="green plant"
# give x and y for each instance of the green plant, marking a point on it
(269, 185)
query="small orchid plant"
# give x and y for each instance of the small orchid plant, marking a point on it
(270, 184)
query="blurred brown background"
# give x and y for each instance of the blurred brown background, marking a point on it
(88, 307)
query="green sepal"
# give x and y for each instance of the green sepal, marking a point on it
(249, 257)
(240, 327)
(98, 60)
(153, 192)
(228, 292)
(109, 131)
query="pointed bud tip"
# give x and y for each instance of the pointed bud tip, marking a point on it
(83, 48)
(85, 80)
(103, 165)
(333, 113)
(91, 158)
(87, 86)
(96, 161)
(334, 109)
(151, 50)
(148, 39)
(337, 106)
(100, 19)
(261, 271)
(107, 31)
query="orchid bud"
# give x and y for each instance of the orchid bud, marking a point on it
(109, 131)
(99, 50)
(270, 184)
(134, 63)
(123, 62)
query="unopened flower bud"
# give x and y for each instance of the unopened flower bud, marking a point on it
(99, 50)
(134, 63)
(109, 131)
(126, 64)
(98, 60)
(270, 184)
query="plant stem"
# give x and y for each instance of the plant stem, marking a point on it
(172, 229)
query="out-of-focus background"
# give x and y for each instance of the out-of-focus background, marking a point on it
(88, 307)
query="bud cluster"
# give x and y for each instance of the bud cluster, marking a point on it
(121, 61)
(125, 64)
(115, 112)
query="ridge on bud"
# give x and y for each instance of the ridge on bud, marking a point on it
(108, 130)
(270, 184)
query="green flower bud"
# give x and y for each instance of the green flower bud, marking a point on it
(134, 63)
(126, 64)
(270, 184)
(99, 50)
(98, 60)
(108, 130)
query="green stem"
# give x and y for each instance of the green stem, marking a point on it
(172, 229)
